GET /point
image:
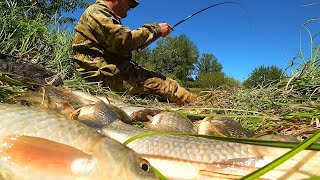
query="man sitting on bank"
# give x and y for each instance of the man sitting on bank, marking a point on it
(103, 52)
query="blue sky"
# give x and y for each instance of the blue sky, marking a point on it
(270, 34)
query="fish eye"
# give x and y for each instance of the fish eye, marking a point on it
(145, 166)
(25, 103)
(304, 137)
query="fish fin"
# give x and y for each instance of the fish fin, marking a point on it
(149, 117)
(220, 175)
(213, 128)
(87, 116)
(232, 168)
(75, 114)
(105, 99)
(65, 108)
(145, 115)
(47, 156)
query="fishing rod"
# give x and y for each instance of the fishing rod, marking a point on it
(190, 16)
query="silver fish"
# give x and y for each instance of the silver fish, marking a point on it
(225, 127)
(183, 157)
(171, 122)
(139, 113)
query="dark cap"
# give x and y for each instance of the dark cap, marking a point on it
(134, 3)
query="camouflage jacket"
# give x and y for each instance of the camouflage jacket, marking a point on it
(100, 33)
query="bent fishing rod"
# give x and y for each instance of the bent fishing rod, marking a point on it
(190, 16)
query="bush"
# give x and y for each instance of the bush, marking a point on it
(264, 76)
(216, 79)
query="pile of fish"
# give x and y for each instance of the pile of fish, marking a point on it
(68, 134)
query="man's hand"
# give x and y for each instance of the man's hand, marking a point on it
(166, 29)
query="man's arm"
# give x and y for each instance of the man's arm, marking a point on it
(115, 37)
(165, 31)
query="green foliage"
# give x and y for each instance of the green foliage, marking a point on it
(215, 80)
(175, 57)
(211, 80)
(37, 39)
(231, 82)
(20, 34)
(48, 10)
(210, 75)
(264, 76)
(142, 58)
(58, 55)
(208, 64)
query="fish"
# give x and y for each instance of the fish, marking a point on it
(40, 100)
(100, 114)
(88, 98)
(57, 95)
(80, 152)
(280, 137)
(68, 102)
(62, 94)
(224, 127)
(58, 99)
(32, 98)
(171, 122)
(140, 113)
(135, 113)
(28, 73)
(186, 157)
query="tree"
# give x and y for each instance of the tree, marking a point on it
(208, 63)
(47, 8)
(175, 57)
(263, 76)
(142, 58)
(209, 72)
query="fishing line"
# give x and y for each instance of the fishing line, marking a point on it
(190, 16)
